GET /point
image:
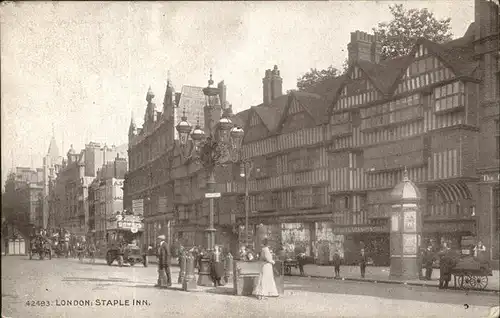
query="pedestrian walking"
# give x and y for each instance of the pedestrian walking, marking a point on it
(428, 260)
(92, 249)
(266, 287)
(446, 264)
(217, 266)
(336, 263)
(301, 260)
(164, 277)
(363, 259)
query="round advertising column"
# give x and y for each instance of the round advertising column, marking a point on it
(406, 230)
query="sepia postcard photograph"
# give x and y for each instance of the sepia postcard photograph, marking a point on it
(250, 159)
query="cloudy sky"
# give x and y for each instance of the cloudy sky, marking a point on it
(85, 66)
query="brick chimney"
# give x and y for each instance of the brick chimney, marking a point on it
(365, 47)
(272, 85)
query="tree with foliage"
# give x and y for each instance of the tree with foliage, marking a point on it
(315, 77)
(398, 36)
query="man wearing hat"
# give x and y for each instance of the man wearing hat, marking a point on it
(164, 279)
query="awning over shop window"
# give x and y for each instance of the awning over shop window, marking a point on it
(449, 227)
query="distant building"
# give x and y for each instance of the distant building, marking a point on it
(23, 198)
(106, 196)
(52, 164)
(69, 199)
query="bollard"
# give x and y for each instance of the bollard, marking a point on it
(182, 271)
(189, 281)
(228, 268)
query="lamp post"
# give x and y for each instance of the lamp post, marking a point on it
(245, 170)
(217, 148)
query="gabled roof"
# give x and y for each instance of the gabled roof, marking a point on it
(314, 104)
(384, 75)
(328, 88)
(457, 54)
(372, 71)
(272, 114)
(241, 118)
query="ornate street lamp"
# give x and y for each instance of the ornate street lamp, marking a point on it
(220, 146)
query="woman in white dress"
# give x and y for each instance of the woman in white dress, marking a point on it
(266, 287)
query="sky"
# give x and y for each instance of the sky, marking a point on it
(84, 67)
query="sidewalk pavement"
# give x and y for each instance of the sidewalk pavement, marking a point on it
(373, 274)
(378, 274)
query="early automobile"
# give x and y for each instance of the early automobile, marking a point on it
(125, 254)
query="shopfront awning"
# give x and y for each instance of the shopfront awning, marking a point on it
(449, 227)
(361, 229)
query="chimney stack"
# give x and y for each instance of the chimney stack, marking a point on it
(272, 85)
(365, 47)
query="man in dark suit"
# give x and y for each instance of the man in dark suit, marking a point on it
(446, 264)
(164, 278)
(428, 259)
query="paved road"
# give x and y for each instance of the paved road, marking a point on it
(61, 280)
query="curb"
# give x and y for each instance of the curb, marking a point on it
(395, 282)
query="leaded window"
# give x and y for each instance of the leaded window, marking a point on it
(449, 96)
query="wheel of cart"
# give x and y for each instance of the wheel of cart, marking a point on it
(464, 280)
(471, 280)
(480, 282)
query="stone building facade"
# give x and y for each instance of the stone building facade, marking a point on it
(160, 186)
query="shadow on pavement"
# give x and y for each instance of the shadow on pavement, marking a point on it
(222, 291)
(391, 291)
(93, 279)
(152, 286)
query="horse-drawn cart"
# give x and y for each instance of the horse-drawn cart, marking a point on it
(40, 245)
(471, 273)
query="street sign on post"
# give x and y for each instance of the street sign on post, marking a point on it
(212, 195)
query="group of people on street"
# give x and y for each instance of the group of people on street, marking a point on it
(265, 285)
